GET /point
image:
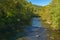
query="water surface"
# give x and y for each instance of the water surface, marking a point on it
(36, 31)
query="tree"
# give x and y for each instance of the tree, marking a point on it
(14, 16)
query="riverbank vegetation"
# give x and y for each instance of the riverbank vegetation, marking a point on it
(50, 14)
(16, 14)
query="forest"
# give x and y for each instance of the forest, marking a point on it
(15, 15)
(51, 14)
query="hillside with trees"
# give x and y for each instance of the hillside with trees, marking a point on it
(15, 15)
(50, 15)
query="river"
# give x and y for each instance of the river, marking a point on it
(38, 32)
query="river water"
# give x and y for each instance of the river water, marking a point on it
(38, 32)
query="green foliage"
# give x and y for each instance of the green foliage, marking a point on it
(55, 14)
(14, 16)
(51, 14)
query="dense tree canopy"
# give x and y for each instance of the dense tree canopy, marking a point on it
(51, 14)
(14, 16)
(55, 13)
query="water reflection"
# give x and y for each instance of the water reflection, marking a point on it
(38, 32)
(36, 22)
